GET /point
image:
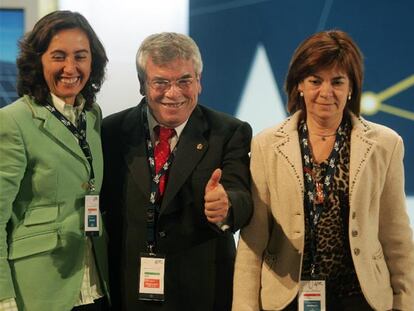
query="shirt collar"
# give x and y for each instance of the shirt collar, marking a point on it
(61, 106)
(152, 123)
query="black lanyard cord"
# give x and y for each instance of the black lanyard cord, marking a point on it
(80, 133)
(155, 198)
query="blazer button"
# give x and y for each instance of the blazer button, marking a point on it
(354, 233)
(353, 215)
(162, 234)
(85, 185)
(356, 251)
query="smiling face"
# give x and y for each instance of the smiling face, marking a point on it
(172, 91)
(67, 64)
(325, 94)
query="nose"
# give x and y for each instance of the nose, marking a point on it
(173, 90)
(326, 90)
(69, 65)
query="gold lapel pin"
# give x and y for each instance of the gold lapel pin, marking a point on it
(199, 146)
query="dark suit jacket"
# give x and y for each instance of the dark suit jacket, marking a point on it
(199, 256)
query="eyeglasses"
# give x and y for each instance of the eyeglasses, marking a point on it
(163, 86)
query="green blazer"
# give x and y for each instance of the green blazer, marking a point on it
(43, 176)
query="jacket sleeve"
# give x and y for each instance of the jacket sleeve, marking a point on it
(253, 240)
(395, 233)
(12, 168)
(236, 176)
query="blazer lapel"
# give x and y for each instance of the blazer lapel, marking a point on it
(135, 149)
(361, 149)
(288, 146)
(57, 131)
(93, 137)
(190, 149)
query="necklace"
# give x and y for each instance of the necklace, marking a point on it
(323, 137)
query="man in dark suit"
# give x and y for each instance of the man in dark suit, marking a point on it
(171, 213)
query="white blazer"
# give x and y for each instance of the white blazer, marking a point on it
(270, 251)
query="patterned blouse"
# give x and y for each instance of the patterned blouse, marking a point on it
(326, 238)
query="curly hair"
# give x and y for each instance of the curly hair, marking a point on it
(30, 79)
(323, 50)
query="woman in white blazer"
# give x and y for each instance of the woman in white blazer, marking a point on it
(330, 227)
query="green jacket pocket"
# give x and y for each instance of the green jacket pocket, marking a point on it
(33, 244)
(41, 215)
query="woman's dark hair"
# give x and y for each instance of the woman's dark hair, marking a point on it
(30, 79)
(327, 49)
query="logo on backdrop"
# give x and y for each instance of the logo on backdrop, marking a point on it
(247, 45)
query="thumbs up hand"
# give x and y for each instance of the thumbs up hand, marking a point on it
(216, 202)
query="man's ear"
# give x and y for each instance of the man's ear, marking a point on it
(200, 88)
(141, 86)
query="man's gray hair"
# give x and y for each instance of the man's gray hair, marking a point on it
(164, 48)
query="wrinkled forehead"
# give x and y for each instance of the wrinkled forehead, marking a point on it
(168, 61)
(177, 67)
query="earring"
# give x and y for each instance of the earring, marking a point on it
(301, 94)
(349, 96)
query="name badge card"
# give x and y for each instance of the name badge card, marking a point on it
(91, 221)
(151, 277)
(312, 296)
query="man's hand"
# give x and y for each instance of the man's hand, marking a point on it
(216, 202)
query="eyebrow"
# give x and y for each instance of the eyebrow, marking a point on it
(64, 52)
(184, 76)
(334, 78)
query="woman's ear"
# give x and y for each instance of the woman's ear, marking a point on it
(300, 86)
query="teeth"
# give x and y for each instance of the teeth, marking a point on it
(173, 105)
(69, 80)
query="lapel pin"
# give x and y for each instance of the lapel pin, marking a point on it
(199, 146)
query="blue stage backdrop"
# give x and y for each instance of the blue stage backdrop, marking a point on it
(234, 35)
(11, 29)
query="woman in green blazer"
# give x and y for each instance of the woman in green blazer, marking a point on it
(51, 164)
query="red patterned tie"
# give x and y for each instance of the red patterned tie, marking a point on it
(162, 152)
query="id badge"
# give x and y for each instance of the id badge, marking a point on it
(151, 277)
(92, 223)
(312, 296)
